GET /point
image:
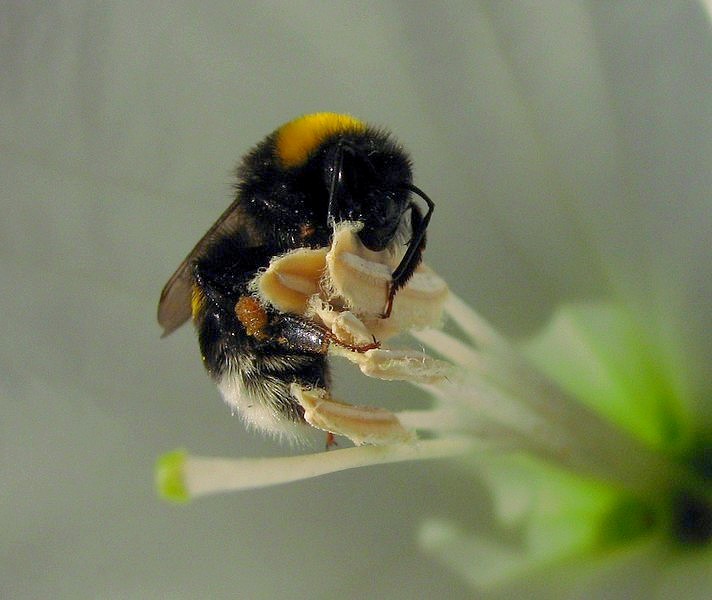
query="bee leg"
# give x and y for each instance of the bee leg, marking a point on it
(288, 331)
(330, 441)
(360, 348)
(301, 334)
(390, 296)
(412, 257)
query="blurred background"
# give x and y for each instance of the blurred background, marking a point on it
(120, 126)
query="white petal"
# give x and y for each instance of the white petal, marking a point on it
(482, 563)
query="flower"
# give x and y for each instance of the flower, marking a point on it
(584, 447)
(607, 471)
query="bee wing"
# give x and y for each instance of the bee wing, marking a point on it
(174, 307)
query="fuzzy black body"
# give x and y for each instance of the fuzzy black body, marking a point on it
(287, 197)
(253, 373)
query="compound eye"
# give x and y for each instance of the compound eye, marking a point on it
(350, 182)
(345, 183)
(395, 206)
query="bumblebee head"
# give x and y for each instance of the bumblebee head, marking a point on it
(363, 174)
(367, 178)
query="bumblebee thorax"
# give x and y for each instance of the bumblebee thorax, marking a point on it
(297, 140)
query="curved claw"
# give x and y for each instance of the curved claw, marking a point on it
(361, 348)
(389, 301)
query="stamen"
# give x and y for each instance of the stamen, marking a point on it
(442, 420)
(472, 325)
(180, 477)
(450, 348)
(489, 436)
(496, 383)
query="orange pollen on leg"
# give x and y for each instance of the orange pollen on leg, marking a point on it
(307, 231)
(252, 315)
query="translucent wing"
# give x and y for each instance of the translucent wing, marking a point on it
(174, 306)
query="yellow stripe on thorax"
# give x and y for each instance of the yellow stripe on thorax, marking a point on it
(297, 139)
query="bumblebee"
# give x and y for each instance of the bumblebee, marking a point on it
(293, 189)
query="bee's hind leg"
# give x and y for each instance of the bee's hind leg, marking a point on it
(303, 335)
